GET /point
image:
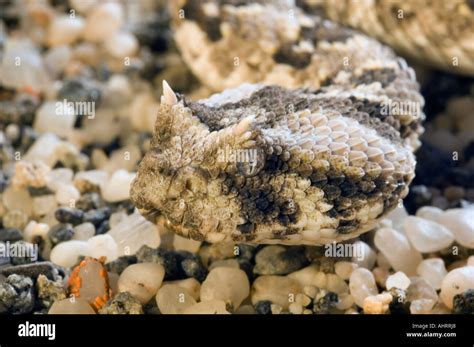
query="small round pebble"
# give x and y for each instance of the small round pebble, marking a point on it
(173, 299)
(461, 223)
(71, 306)
(66, 253)
(84, 231)
(142, 280)
(279, 290)
(103, 246)
(427, 236)
(228, 284)
(431, 213)
(397, 280)
(398, 250)
(456, 281)
(433, 271)
(361, 285)
(207, 307)
(60, 233)
(344, 269)
(69, 215)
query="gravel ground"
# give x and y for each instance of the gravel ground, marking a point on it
(72, 242)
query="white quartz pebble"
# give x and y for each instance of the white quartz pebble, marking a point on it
(397, 216)
(397, 280)
(34, 229)
(53, 119)
(461, 223)
(133, 232)
(117, 188)
(207, 307)
(67, 194)
(427, 236)
(398, 251)
(103, 246)
(420, 289)
(433, 271)
(121, 45)
(365, 256)
(58, 177)
(66, 253)
(173, 299)
(344, 269)
(64, 30)
(44, 149)
(429, 212)
(84, 231)
(421, 306)
(280, 290)
(470, 261)
(71, 306)
(103, 21)
(362, 284)
(456, 281)
(191, 284)
(142, 280)
(228, 284)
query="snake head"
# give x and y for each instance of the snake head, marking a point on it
(196, 156)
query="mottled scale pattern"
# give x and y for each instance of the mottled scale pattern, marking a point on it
(313, 150)
(440, 33)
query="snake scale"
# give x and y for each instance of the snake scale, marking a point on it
(310, 139)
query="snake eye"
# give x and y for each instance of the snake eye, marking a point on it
(251, 163)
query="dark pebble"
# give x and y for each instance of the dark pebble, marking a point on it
(60, 232)
(118, 265)
(33, 270)
(326, 303)
(154, 33)
(246, 266)
(79, 89)
(439, 87)
(97, 216)
(39, 191)
(469, 151)
(102, 228)
(279, 260)
(194, 268)
(399, 304)
(73, 216)
(177, 264)
(27, 137)
(463, 303)
(263, 307)
(417, 197)
(3, 182)
(17, 295)
(11, 235)
(246, 252)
